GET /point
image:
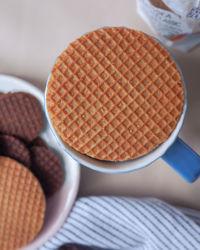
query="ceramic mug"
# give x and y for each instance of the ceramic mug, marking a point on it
(174, 151)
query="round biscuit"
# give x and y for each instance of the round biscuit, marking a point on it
(22, 205)
(47, 168)
(14, 148)
(115, 94)
(20, 115)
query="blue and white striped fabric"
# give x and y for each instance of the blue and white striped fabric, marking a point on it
(128, 223)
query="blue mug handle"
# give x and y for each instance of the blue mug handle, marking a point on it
(183, 160)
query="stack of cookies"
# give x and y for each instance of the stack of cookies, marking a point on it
(29, 171)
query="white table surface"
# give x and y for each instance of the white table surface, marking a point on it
(33, 33)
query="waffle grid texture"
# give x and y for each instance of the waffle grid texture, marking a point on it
(115, 94)
(47, 168)
(22, 205)
(20, 115)
(14, 148)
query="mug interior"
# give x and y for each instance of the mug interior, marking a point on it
(129, 165)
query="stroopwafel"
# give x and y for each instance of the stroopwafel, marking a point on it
(115, 94)
(22, 205)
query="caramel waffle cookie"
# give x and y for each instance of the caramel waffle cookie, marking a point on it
(22, 205)
(115, 94)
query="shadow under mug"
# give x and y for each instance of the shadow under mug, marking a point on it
(174, 151)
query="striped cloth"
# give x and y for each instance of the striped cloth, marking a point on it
(129, 223)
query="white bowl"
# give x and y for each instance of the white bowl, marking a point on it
(59, 205)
